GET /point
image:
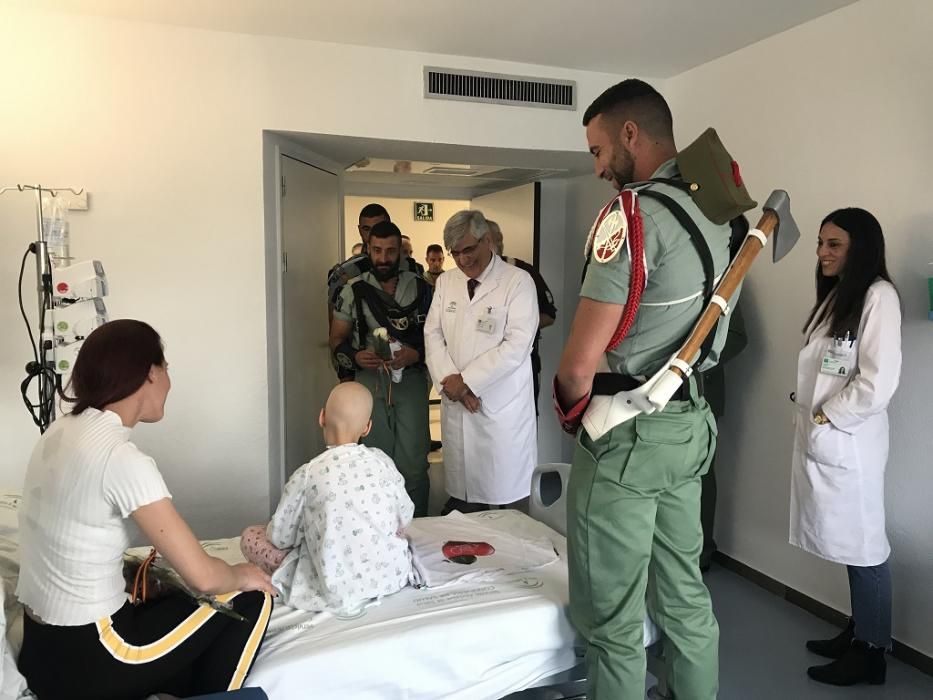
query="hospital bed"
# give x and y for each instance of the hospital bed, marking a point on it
(503, 638)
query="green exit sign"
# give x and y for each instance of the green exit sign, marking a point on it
(424, 211)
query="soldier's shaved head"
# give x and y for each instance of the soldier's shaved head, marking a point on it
(634, 100)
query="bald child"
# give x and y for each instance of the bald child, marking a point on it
(336, 538)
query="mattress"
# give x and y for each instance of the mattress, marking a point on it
(476, 640)
(480, 639)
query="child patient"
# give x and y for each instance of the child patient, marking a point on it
(335, 540)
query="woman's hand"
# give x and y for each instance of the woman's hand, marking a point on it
(250, 577)
(171, 536)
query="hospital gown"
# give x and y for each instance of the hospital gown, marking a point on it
(341, 516)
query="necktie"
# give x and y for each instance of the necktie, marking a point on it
(471, 287)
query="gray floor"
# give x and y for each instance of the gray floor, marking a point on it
(762, 652)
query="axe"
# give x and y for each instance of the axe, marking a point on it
(605, 412)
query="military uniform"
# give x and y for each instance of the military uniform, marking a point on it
(714, 389)
(353, 267)
(400, 410)
(546, 307)
(634, 494)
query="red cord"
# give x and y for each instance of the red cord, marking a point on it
(636, 244)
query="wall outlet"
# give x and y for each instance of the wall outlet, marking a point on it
(75, 202)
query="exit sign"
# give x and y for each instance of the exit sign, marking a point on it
(424, 211)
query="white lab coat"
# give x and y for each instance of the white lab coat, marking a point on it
(488, 455)
(837, 482)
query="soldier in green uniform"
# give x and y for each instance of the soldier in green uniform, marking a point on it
(634, 495)
(385, 297)
(356, 265)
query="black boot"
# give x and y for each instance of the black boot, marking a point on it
(835, 647)
(859, 664)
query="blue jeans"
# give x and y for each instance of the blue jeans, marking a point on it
(870, 588)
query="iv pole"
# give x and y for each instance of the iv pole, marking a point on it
(43, 284)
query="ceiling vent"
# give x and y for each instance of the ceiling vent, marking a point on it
(470, 86)
(441, 170)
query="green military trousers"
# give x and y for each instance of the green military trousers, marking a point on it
(401, 427)
(633, 520)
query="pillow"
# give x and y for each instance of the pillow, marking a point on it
(12, 684)
(9, 523)
(9, 546)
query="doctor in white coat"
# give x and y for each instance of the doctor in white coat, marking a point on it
(848, 371)
(478, 338)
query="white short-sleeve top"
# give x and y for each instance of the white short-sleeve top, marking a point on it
(84, 479)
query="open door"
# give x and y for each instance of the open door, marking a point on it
(311, 204)
(304, 224)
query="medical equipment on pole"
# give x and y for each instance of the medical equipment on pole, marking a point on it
(70, 302)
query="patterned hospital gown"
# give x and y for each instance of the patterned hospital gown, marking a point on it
(342, 515)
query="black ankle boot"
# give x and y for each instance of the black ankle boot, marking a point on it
(859, 664)
(835, 647)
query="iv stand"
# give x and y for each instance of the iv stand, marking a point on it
(43, 271)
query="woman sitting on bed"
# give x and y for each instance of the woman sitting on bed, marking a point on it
(82, 638)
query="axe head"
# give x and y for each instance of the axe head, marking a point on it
(786, 234)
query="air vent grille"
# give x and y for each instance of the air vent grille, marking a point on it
(470, 86)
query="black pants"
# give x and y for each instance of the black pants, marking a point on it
(166, 646)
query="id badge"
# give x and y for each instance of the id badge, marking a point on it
(837, 361)
(486, 324)
(834, 366)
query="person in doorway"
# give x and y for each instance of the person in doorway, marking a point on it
(336, 539)
(547, 311)
(633, 509)
(478, 340)
(408, 253)
(434, 257)
(359, 263)
(847, 373)
(85, 480)
(714, 389)
(383, 307)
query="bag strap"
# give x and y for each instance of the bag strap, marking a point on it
(701, 246)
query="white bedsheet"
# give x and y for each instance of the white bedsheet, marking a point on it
(463, 641)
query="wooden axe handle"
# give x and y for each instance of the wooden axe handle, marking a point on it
(727, 286)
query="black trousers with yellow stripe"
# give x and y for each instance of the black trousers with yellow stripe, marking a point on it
(165, 646)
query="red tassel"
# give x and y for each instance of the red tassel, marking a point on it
(637, 282)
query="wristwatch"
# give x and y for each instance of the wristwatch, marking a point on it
(820, 418)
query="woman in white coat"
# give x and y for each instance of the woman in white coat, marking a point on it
(847, 373)
(477, 337)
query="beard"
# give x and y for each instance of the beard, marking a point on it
(384, 273)
(622, 169)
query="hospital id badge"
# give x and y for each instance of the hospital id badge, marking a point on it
(486, 324)
(834, 366)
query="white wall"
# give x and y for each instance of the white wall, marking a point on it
(836, 112)
(586, 195)
(514, 210)
(164, 126)
(402, 213)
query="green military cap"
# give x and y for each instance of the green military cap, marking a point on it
(716, 183)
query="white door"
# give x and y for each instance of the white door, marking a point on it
(311, 203)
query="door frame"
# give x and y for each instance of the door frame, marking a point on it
(274, 146)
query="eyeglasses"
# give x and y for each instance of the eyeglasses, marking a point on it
(469, 250)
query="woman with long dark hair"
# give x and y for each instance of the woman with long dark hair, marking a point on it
(85, 480)
(847, 373)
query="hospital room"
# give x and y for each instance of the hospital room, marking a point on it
(466, 351)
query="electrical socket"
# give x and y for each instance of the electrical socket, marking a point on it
(75, 202)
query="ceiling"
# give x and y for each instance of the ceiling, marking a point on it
(494, 169)
(646, 38)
